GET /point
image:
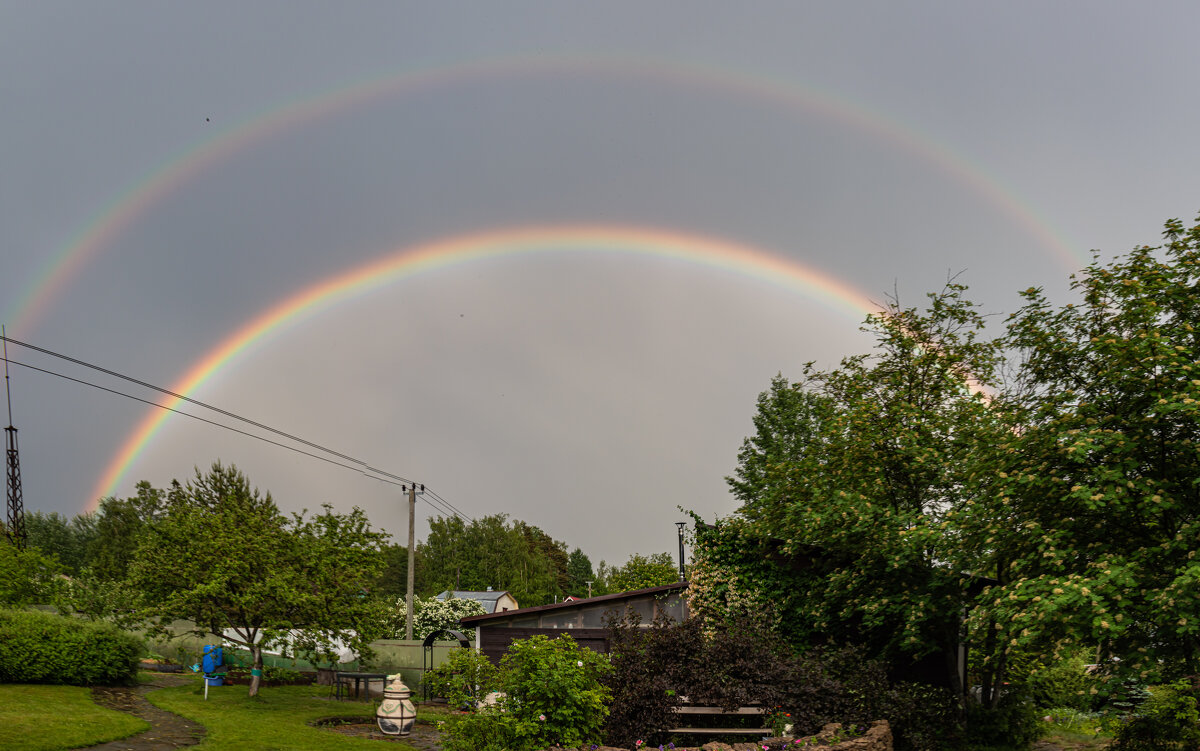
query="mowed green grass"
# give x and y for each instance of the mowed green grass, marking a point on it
(275, 720)
(45, 718)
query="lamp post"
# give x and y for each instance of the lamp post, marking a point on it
(682, 573)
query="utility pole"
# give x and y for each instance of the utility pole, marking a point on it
(15, 529)
(412, 565)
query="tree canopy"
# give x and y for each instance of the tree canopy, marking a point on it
(1045, 481)
(225, 557)
(493, 552)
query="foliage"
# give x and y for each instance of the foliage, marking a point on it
(1167, 720)
(579, 573)
(120, 525)
(847, 485)
(65, 539)
(552, 696)
(224, 557)
(109, 600)
(27, 577)
(491, 552)
(734, 666)
(923, 717)
(641, 572)
(1107, 400)
(1061, 684)
(463, 679)
(432, 614)
(393, 579)
(37, 647)
(1011, 722)
(48, 718)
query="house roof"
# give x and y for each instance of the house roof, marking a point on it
(663, 589)
(487, 599)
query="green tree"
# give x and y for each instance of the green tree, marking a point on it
(1095, 523)
(579, 573)
(27, 577)
(225, 557)
(842, 531)
(491, 552)
(66, 540)
(119, 527)
(641, 572)
(393, 582)
(789, 425)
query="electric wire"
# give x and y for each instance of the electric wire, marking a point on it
(363, 468)
(447, 507)
(199, 403)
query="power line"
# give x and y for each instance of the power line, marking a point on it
(198, 403)
(363, 468)
(447, 507)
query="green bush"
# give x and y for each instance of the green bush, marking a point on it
(923, 717)
(1065, 683)
(552, 697)
(1166, 720)
(463, 679)
(1012, 724)
(38, 647)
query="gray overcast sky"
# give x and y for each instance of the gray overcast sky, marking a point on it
(881, 145)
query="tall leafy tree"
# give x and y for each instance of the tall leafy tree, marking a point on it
(225, 557)
(579, 573)
(847, 485)
(641, 572)
(1096, 520)
(65, 539)
(492, 552)
(119, 526)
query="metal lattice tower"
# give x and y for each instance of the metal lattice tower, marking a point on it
(15, 528)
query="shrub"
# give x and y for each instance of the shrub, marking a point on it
(1166, 720)
(923, 717)
(552, 697)
(463, 679)
(1065, 683)
(1012, 723)
(38, 647)
(731, 667)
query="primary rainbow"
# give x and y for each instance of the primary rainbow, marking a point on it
(128, 207)
(405, 263)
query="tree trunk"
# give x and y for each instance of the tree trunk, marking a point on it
(255, 669)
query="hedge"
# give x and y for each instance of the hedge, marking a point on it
(38, 647)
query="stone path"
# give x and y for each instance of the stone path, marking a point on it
(167, 730)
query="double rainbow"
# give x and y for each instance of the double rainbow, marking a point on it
(408, 263)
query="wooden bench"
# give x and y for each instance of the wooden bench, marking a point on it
(701, 710)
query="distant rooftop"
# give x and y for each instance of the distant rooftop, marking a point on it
(487, 599)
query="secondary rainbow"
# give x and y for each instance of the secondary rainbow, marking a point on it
(406, 263)
(141, 197)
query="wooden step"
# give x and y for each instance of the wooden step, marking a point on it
(761, 732)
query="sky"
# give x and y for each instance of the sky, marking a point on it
(540, 257)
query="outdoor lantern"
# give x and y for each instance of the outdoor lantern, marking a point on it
(396, 714)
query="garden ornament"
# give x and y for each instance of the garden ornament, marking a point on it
(396, 714)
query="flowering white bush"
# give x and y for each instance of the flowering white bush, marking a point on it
(432, 614)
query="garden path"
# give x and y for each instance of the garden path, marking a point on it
(167, 730)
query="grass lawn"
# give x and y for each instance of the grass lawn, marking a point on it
(275, 719)
(43, 718)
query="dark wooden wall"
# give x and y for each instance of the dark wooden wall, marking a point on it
(493, 642)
